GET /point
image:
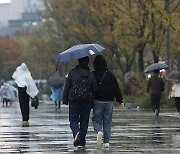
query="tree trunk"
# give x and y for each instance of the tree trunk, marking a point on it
(155, 57)
(141, 60)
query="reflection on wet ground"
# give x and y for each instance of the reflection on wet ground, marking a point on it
(48, 132)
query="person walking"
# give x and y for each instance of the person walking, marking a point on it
(5, 94)
(56, 96)
(107, 91)
(175, 93)
(13, 93)
(155, 87)
(26, 89)
(78, 93)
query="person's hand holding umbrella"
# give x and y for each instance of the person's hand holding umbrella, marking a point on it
(122, 105)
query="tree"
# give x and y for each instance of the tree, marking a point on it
(10, 56)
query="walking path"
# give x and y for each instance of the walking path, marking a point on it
(136, 132)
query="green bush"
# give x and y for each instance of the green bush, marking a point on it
(141, 101)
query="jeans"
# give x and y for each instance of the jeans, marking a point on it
(79, 119)
(102, 118)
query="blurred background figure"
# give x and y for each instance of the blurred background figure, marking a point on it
(57, 86)
(174, 76)
(56, 96)
(155, 87)
(5, 94)
(13, 93)
(175, 93)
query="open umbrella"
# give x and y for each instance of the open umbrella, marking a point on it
(78, 51)
(174, 75)
(55, 82)
(156, 66)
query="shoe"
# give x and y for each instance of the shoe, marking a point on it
(25, 123)
(76, 140)
(106, 145)
(56, 108)
(80, 147)
(99, 138)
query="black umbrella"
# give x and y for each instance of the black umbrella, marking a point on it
(156, 66)
(174, 75)
(55, 82)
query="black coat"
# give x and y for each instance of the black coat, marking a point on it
(109, 88)
(73, 77)
(155, 85)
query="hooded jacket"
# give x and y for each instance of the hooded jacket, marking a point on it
(109, 87)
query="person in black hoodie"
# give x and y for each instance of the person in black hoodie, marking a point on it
(79, 110)
(107, 91)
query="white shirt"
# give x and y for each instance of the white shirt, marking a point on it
(176, 89)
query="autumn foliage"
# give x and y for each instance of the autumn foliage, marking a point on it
(10, 54)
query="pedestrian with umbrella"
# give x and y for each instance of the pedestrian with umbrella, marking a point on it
(78, 93)
(57, 87)
(174, 76)
(79, 89)
(155, 87)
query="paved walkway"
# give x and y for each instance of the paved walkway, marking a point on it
(134, 132)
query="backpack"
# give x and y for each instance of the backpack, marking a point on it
(80, 91)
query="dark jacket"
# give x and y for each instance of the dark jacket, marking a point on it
(73, 77)
(155, 85)
(109, 88)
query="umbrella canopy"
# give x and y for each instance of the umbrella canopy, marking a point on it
(78, 51)
(55, 82)
(156, 66)
(174, 75)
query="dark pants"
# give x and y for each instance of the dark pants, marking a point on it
(5, 100)
(177, 101)
(155, 101)
(24, 103)
(79, 119)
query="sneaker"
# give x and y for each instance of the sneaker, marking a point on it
(156, 112)
(76, 140)
(106, 145)
(25, 123)
(99, 138)
(80, 146)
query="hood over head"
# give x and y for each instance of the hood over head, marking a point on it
(100, 63)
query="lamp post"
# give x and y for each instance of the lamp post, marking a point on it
(168, 47)
(167, 35)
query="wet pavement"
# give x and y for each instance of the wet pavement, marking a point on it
(48, 132)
